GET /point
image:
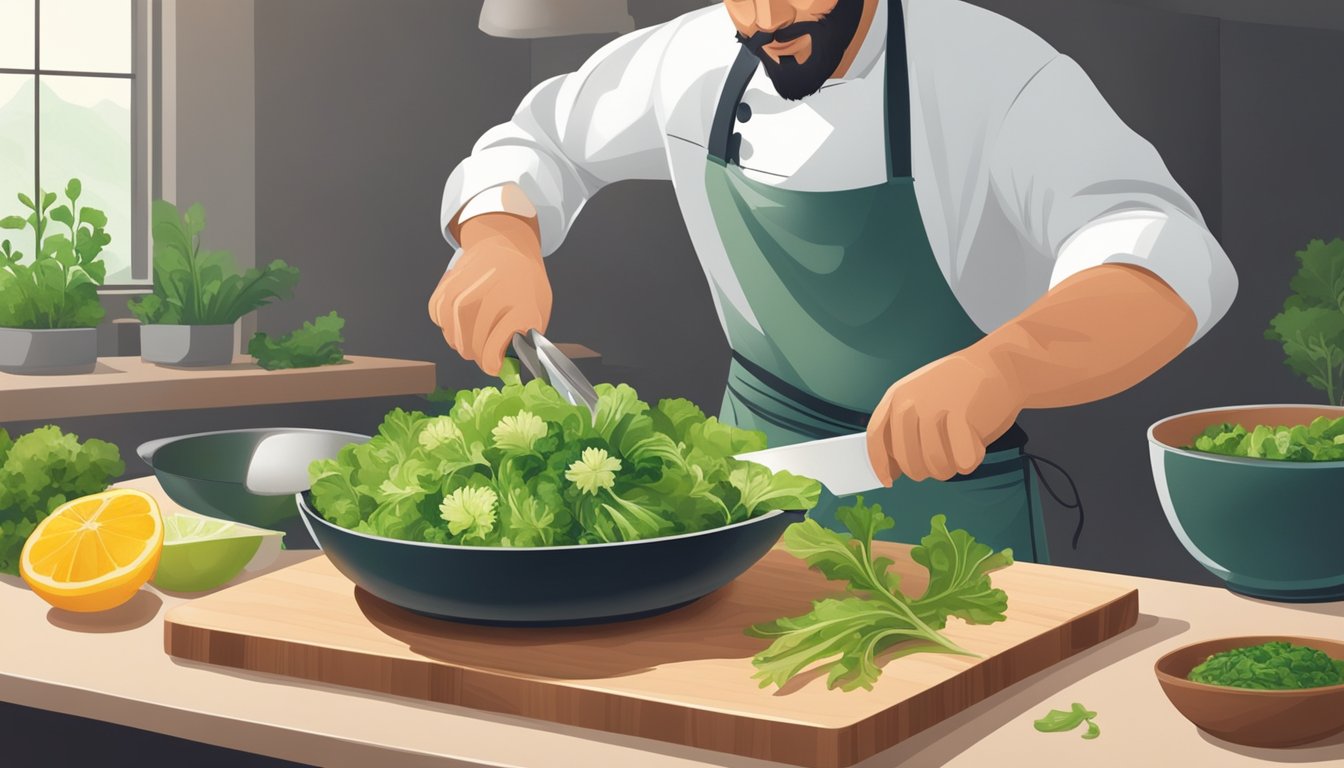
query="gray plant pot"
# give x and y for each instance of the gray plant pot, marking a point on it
(187, 346)
(47, 352)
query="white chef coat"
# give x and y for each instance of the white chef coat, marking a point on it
(1023, 173)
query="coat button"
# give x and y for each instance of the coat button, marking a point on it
(743, 112)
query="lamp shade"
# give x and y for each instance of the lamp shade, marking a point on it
(554, 18)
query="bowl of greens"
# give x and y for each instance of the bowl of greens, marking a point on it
(517, 507)
(1263, 691)
(1253, 493)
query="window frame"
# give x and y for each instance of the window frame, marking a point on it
(145, 126)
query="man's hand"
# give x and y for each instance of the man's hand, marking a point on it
(1097, 333)
(497, 288)
(937, 421)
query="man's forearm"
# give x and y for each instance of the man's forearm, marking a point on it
(1096, 334)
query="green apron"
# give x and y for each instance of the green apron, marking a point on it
(848, 298)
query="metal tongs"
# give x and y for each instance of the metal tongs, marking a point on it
(543, 360)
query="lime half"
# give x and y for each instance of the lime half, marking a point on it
(202, 553)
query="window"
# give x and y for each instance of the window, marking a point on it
(73, 104)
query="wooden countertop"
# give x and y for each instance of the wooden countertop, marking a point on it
(130, 385)
(112, 667)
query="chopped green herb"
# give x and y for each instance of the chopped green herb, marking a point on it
(1321, 440)
(316, 343)
(1060, 721)
(1273, 666)
(846, 634)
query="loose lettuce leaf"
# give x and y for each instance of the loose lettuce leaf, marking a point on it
(1060, 721)
(844, 636)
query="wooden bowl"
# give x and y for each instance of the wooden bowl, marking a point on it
(1253, 718)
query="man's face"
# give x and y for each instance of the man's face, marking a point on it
(799, 42)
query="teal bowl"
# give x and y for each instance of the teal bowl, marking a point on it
(1269, 529)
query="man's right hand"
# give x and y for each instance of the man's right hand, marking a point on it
(498, 287)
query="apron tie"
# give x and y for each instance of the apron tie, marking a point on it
(1077, 504)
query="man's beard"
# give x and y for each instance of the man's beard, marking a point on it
(831, 35)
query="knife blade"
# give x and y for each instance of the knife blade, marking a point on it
(839, 463)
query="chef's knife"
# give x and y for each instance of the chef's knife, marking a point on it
(839, 463)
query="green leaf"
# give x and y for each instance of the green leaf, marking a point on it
(73, 190)
(959, 583)
(93, 217)
(13, 222)
(63, 215)
(1060, 721)
(1313, 345)
(315, 343)
(845, 635)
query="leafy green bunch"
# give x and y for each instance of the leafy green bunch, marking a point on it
(1321, 440)
(518, 466)
(41, 471)
(198, 287)
(313, 344)
(58, 287)
(1270, 666)
(1311, 325)
(846, 634)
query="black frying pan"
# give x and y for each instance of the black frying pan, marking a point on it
(547, 585)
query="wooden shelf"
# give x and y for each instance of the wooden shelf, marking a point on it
(129, 385)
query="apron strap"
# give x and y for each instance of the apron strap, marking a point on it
(1076, 504)
(898, 92)
(723, 145)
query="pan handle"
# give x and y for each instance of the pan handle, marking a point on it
(147, 450)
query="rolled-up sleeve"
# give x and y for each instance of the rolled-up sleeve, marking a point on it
(1086, 190)
(572, 135)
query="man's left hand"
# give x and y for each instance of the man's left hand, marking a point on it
(937, 421)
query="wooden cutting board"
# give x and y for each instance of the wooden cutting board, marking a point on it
(683, 677)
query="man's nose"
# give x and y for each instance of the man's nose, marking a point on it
(771, 15)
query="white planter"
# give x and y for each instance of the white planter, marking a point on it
(47, 352)
(187, 346)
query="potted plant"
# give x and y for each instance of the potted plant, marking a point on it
(49, 307)
(199, 295)
(1311, 325)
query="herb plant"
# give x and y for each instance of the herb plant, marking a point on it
(1270, 666)
(847, 634)
(1322, 440)
(313, 344)
(41, 471)
(193, 286)
(518, 466)
(58, 287)
(1311, 325)
(1059, 721)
